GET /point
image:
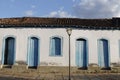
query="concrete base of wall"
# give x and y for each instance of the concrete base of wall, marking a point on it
(60, 69)
(51, 72)
(21, 66)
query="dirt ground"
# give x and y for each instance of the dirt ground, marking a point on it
(58, 73)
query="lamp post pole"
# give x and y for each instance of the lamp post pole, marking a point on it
(69, 59)
(69, 32)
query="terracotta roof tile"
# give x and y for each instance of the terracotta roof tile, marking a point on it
(27, 21)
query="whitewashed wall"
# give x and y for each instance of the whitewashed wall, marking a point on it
(44, 34)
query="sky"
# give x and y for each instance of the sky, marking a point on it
(60, 8)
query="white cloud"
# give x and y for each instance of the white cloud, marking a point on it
(29, 13)
(33, 6)
(97, 8)
(12, 0)
(60, 13)
(73, 0)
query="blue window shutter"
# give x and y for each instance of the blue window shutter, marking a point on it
(52, 47)
(55, 46)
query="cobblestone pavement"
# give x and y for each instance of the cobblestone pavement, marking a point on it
(63, 77)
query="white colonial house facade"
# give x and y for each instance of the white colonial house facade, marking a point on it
(44, 42)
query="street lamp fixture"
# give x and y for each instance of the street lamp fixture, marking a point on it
(69, 32)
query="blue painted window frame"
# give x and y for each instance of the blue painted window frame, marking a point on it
(51, 46)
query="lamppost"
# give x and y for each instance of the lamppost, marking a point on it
(69, 32)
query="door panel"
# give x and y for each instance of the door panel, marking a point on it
(81, 53)
(33, 52)
(9, 51)
(103, 53)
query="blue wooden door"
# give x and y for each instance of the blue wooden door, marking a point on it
(81, 53)
(33, 52)
(103, 57)
(9, 51)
